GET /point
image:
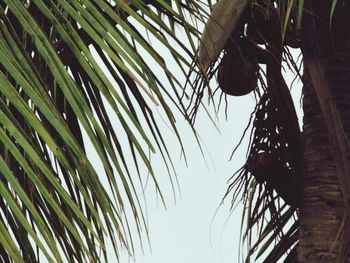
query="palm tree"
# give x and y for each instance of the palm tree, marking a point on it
(295, 185)
(70, 69)
(73, 74)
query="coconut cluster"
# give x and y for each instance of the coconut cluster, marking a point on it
(258, 40)
(246, 48)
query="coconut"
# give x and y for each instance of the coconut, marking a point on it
(237, 73)
(265, 167)
(262, 166)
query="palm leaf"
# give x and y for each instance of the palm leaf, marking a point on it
(72, 71)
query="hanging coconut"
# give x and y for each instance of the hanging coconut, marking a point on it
(262, 166)
(237, 73)
(265, 167)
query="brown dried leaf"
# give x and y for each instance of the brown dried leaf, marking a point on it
(221, 23)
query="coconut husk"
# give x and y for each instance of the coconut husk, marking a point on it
(238, 70)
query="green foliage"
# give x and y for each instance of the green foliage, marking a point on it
(71, 74)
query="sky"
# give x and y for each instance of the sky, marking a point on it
(197, 226)
(190, 230)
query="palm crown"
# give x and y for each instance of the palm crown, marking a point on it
(66, 65)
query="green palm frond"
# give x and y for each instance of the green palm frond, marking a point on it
(75, 73)
(71, 72)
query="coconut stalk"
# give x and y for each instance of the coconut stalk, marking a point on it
(222, 21)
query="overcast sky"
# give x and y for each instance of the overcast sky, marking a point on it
(190, 230)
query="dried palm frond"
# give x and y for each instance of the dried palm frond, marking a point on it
(269, 181)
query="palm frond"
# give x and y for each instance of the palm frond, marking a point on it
(72, 73)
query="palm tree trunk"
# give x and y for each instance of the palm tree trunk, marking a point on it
(322, 206)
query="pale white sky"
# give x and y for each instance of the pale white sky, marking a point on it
(189, 231)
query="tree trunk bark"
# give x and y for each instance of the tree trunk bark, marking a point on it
(322, 206)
